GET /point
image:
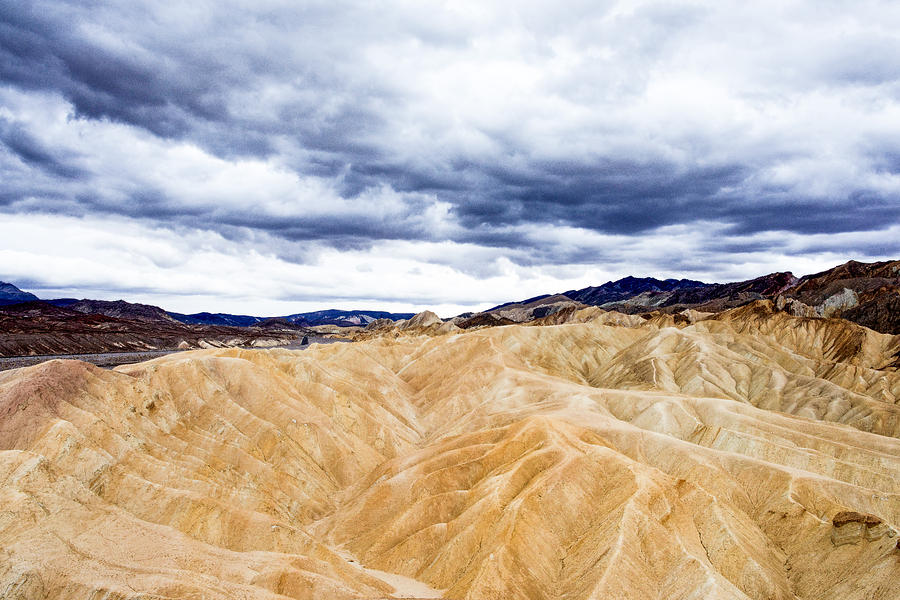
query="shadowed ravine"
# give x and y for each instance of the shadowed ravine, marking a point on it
(750, 455)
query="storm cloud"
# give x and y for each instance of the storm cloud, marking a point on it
(536, 145)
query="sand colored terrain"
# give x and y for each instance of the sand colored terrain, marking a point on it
(749, 454)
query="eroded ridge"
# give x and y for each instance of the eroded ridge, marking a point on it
(749, 455)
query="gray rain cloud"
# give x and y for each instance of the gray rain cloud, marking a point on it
(542, 135)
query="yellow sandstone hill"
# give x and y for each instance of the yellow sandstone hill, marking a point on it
(749, 454)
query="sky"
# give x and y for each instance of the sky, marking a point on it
(267, 157)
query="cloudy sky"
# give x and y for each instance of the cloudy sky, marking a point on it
(267, 157)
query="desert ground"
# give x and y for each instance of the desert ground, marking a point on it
(748, 454)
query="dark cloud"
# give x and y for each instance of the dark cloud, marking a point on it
(860, 211)
(612, 196)
(41, 50)
(19, 141)
(135, 70)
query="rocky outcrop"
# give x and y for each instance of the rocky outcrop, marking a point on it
(850, 527)
(879, 311)
(865, 293)
(422, 320)
(833, 306)
(379, 324)
(484, 320)
(424, 323)
(836, 304)
(542, 310)
(795, 307)
(448, 327)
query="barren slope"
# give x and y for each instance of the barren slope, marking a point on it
(752, 455)
(39, 328)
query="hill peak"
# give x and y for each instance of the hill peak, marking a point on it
(10, 294)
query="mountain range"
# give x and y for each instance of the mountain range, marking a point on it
(42, 328)
(341, 318)
(10, 294)
(749, 454)
(865, 293)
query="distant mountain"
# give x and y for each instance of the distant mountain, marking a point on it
(10, 294)
(37, 327)
(119, 309)
(281, 323)
(345, 318)
(38, 308)
(611, 291)
(861, 278)
(628, 287)
(519, 312)
(206, 318)
(515, 303)
(865, 293)
(712, 297)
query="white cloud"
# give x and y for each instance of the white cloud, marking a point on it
(198, 270)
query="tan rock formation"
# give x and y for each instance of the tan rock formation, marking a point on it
(421, 320)
(751, 454)
(379, 324)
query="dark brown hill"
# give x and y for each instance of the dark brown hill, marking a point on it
(39, 328)
(865, 293)
(119, 309)
(719, 296)
(857, 276)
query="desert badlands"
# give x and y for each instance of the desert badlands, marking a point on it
(747, 454)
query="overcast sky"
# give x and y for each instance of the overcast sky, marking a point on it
(268, 157)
